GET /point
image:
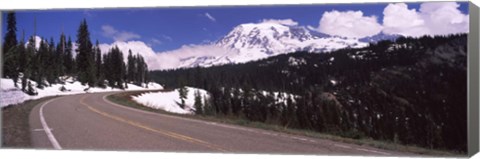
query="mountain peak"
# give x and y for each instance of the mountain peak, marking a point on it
(255, 41)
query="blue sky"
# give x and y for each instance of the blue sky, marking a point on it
(170, 28)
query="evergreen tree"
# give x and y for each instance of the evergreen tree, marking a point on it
(42, 60)
(51, 64)
(115, 68)
(26, 62)
(198, 103)
(130, 67)
(85, 56)
(183, 92)
(9, 45)
(69, 62)
(22, 61)
(60, 56)
(98, 63)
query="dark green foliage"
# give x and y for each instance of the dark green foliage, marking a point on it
(69, 62)
(47, 63)
(114, 68)
(100, 74)
(137, 69)
(183, 93)
(411, 91)
(198, 103)
(85, 56)
(10, 52)
(59, 58)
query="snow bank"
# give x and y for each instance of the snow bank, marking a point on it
(12, 95)
(169, 101)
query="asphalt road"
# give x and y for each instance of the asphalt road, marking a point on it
(90, 122)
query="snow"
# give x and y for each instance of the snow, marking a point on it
(296, 62)
(333, 82)
(169, 101)
(12, 95)
(256, 41)
(331, 59)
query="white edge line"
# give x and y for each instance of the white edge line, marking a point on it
(378, 152)
(49, 133)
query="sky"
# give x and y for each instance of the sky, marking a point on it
(181, 31)
(169, 28)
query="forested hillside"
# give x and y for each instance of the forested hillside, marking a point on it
(37, 62)
(411, 91)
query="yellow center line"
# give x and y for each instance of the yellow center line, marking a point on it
(145, 127)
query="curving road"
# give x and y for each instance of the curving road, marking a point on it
(90, 122)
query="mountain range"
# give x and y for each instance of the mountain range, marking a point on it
(254, 41)
(244, 43)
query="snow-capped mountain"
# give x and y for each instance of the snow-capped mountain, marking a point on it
(244, 43)
(254, 41)
(379, 37)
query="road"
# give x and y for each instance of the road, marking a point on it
(91, 122)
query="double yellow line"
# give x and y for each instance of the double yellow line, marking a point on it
(159, 131)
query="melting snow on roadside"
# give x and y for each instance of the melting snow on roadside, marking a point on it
(169, 101)
(9, 94)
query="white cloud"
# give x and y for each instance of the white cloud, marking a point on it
(167, 59)
(137, 47)
(210, 17)
(433, 18)
(167, 37)
(156, 41)
(349, 24)
(110, 32)
(288, 22)
(172, 59)
(125, 36)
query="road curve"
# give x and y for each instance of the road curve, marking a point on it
(90, 122)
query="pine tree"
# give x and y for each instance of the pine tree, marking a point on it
(198, 103)
(26, 62)
(99, 65)
(115, 68)
(42, 60)
(69, 62)
(22, 60)
(51, 64)
(140, 67)
(130, 67)
(85, 56)
(183, 93)
(60, 56)
(9, 45)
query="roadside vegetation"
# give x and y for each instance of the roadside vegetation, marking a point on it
(125, 99)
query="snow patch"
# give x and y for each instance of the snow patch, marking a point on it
(169, 101)
(13, 95)
(296, 62)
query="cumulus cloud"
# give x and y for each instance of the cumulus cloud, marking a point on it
(433, 18)
(349, 24)
(210, 17)
(288, 22)
(137, 47)
(167, 59)
(110, 32)
(172, 59)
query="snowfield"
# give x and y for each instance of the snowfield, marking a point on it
(169, 101)
(9, 94)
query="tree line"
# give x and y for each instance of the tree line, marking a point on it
(409, 91)
(51, 63)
